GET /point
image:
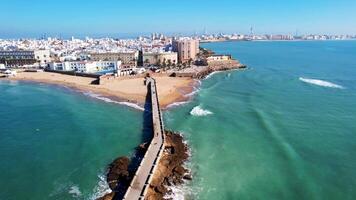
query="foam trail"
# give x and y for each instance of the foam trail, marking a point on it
(132, 105)
(211, 74)
(321, 83)
(198, 111)
(196, 90)
(176, 104)
(74, 191)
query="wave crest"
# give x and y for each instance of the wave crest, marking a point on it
(321, 83)
(198, 111)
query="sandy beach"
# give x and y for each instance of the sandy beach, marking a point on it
(128, 89)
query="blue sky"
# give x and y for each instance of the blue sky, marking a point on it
(31, 18)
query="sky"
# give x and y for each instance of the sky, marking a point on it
(33, 18)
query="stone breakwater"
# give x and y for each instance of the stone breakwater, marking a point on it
(170, 170)
(220, 66)
(200, 72)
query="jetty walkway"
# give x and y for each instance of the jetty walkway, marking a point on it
(143, 176)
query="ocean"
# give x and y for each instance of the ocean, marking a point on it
(56, 143)
(282, 129)
(285, 128)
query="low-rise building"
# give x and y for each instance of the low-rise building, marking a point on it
(43, 57)
(218, 58)
(160, 58)
(2, 66)
(85, 66)
(17, 58)
(128, 59)
(21, 58)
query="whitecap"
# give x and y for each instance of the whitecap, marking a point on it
(74, 191)
(321, 83)
(129, 104)
(198, 111)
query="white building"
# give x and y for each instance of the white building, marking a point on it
(85, 66)
(42, 56)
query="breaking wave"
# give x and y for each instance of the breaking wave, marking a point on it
(211, 74)
(101, 189)
(198, 111)
(97, 96)
(321, 83)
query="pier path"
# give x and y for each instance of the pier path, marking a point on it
(143, 176)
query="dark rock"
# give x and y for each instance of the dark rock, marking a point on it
(118, 172)
(179, 170)
(188, 177)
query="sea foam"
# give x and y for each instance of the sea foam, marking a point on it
(101, 189)
(176, 104)
(198, 111)
(74, 191)
(321, 83)
(97, 96)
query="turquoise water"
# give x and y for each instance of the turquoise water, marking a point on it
(275, 131)
(56, 143)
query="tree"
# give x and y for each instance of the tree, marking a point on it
(169, 63)
(184, 65)
(164, 64)
(147, 61)
(159, 63)
(190, 61)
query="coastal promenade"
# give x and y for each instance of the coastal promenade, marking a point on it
(143, 176)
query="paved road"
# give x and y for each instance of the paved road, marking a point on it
(140, 182)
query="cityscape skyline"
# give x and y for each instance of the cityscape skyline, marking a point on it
(130, 19)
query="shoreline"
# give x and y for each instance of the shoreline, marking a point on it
(122, 91)
(172, 91)
(169, 176)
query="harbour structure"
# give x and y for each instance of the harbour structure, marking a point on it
(144, 174)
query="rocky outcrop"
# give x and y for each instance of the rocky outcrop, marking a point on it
(219, 66)
(120, 173)
(170, 170)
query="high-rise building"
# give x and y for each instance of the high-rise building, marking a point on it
(187, 49)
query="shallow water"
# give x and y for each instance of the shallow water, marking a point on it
(272, 135)
(56, 143)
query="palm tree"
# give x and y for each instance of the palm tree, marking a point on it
(159, 63)
(169, 63)
(164, 64)
(190, 61)
(147, 61)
